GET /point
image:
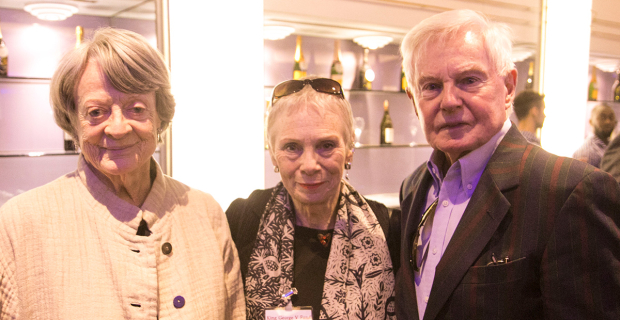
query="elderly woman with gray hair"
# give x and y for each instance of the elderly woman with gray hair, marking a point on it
(313, 235)
(116, 239)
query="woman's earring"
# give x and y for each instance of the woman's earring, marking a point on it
(159, 140)
(347, 166)
(276, 169)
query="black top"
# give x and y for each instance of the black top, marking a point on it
(244, 217)
(310, 263)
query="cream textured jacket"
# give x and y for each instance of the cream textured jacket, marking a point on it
(69, 250)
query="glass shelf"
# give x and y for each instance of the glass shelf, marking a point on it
(18, 154)
(411, 145)
(358, 91)
(374, 91)
(387, 146)
(603, 101)
(23, 80)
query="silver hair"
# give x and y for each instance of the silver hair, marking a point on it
(320, 102)
(442, 27)
(128, 61)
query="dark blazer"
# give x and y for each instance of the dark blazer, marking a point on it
(611, 159)
(555, 218)
(244, 217)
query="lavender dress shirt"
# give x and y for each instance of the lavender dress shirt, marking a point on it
(454, 192)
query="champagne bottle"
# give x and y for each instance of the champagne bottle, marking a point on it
(336, 71)
(529, 84)
(299, 71)
(387, 130)
(79, 35)
(403, 80)
(4, 58)
(593, 88)
(366, 75)
(616, 88)
(69, 143)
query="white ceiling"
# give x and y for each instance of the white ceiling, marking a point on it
(346, 19)
(135, 9)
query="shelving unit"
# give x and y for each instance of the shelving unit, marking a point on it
(376, 169)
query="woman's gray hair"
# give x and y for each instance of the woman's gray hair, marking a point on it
(127, 60)
(442, 27)
(320, 102)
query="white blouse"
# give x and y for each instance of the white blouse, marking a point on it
(69, 250)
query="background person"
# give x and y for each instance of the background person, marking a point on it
(610, 162)
(603, 122)
(313, 231)
(529, 107)
(116, 239)
(517, 232)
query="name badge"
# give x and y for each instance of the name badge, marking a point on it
(296, 313)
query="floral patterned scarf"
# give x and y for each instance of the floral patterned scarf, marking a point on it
(359, 279)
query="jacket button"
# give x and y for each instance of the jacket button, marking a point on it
(178, 302)
(166, 248)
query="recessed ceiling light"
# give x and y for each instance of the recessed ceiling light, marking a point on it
(51, 11)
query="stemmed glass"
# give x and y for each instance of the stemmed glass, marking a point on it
(358, 126)
(414, 129)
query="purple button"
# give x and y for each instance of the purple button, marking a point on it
(179, 302)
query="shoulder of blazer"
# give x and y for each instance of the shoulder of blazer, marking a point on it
(243, 219)
(412, 181)
(244, 214)
(389, 220)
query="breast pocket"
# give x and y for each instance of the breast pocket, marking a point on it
(502, 291)
(498, 273)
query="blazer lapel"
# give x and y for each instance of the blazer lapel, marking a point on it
(413, 203)
(483, 214)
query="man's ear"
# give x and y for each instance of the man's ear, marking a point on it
(534, 111)
(510, 81)
(412, 101)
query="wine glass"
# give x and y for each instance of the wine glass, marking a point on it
(358, 126)
(413, 128)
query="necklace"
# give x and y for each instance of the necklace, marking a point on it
(325, 238)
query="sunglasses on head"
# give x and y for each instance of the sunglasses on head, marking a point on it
(322, 85)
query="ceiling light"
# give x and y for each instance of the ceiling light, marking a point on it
(521, 52)
(276, 32)
(606, 64)
(373, 42)
(51, 11)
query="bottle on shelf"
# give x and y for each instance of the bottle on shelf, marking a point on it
(616, 87)
(4, 58)
(300, 69)
(336, 70)
(387, 130)
(403, 80)
(593, 88)
(79, 35)
(529, 84)
(366, 74)
(69, 143)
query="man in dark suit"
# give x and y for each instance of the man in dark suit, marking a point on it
(494, 227)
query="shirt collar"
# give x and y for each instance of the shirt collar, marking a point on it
(598, 140)
(471, 165)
